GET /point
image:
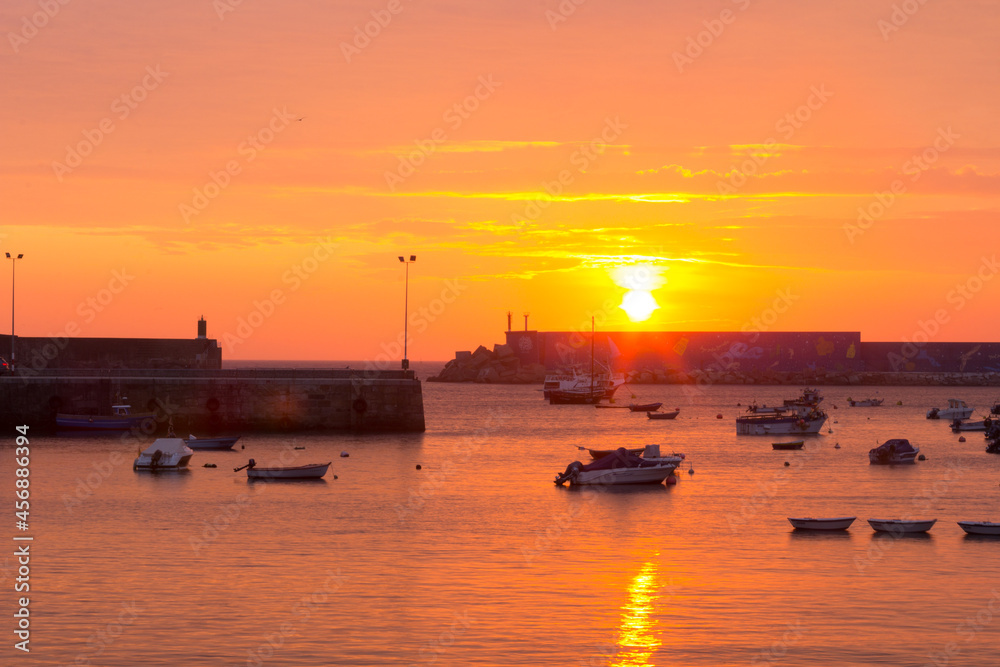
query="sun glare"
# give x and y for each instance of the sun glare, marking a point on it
(638, 305)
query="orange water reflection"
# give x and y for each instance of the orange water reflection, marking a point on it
(637, 638)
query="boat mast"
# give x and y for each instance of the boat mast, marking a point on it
(591, 356)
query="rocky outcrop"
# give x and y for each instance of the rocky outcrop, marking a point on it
(501, 366)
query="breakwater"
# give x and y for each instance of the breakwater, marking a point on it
(207, 402)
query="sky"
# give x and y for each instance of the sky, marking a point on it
(801, 165)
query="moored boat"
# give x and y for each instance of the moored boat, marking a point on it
(787, 445)
(901, 525)
(810, 422)
(891, 452)
(121, 419)
(866, 403)
(980, 527)
(664, 415)
(957, 425)
(575, 396)
(830, 523)
(164, 454)
(644, 407)
(956, 410)
(220, 443)
(308, 471)
(619, 468)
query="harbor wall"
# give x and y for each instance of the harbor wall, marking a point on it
(39, 354)
(229, 401)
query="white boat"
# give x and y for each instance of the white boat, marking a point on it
(211, 443)
(956, 410)
(832, 523)
(958, 425)
(901, 525)
(797, 424)
(980, 527)
(620, 468)
(308, 471)
(664, 415)
(575, 380)
(892, 452)
(164, 454)
(765, 410)
(867, 403)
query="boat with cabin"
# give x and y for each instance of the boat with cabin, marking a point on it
(620, 468)
(164, 454)
(893, 452)
(121, 419)
(956, 410)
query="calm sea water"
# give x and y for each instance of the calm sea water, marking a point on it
(478, 559)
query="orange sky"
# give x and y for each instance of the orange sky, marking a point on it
(734, 173)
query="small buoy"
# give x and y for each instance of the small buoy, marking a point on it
(899, 402)
(739, 405)
(581, 448)
(344, 455)
(335, 477)
(691, 470)
(418, 466)
(787, 464)
(835, 421)
(671, 480)
(829, 430)
(211, 465)
(921, 458)
(837, 446)
(718, 416)
(835, 407)
(243, 446)
(961, 438)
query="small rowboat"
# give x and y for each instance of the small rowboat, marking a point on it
(787, 445)
(644, 407)
(309, 471)
(211, 443)
(980, 527)
(901, 525)
(663, 415)
(621, 407)
(833, 523)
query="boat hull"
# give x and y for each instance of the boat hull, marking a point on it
(646, 407)
(311, 471)
(663, 415)
(901, 526)
(766, 425)
(625, 476)
(787, 445)
(980, 527)
(211, 443)
(103, 422)
(833, 523)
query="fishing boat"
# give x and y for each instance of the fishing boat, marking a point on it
(810, 422)
(664, 415)
(831, 523)
(121, 419)
(957, 425)
(892, 452)
(163, 455)
(765, 410)
(577, 395)
(601, 453)
(956, 410)
(900, 526)
(980, 527)
(866, 403)
(619, 468)
(787, 445)
(573, 379)
(220, 443)
(308, 471)
(644, 407)
(810, 398)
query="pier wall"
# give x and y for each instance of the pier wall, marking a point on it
(228, 401)
(39, 354)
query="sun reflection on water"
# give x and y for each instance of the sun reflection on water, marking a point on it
(637, 639)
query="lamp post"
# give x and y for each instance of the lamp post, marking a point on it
(13, 264)
(406, 298)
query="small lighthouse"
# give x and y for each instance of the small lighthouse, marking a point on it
(202, 328)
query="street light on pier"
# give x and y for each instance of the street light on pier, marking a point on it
(406, 298)
(13, 264)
